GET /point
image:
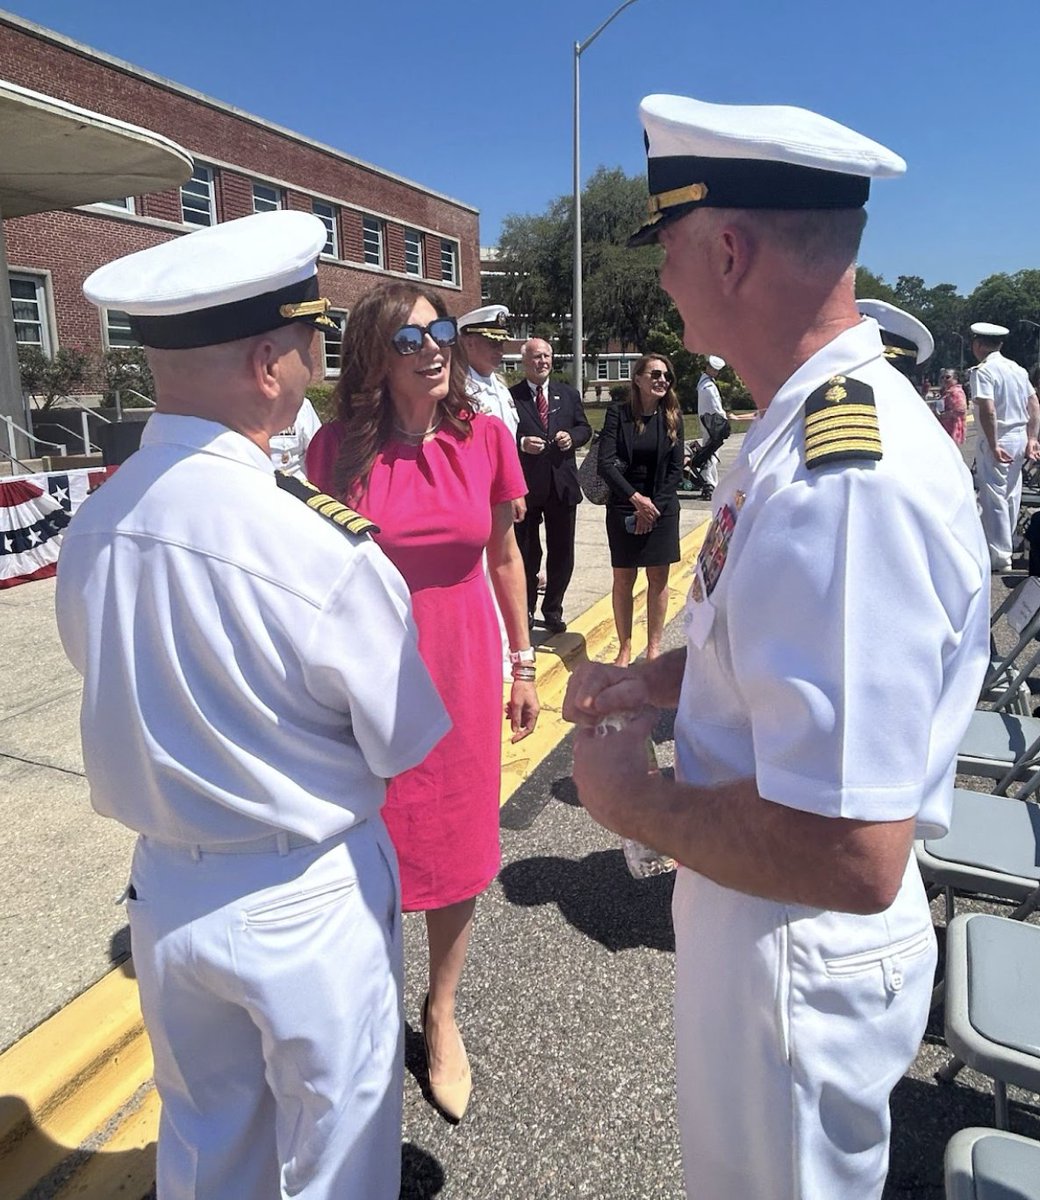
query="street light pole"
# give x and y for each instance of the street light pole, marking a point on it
(576, 313)
(960, 339)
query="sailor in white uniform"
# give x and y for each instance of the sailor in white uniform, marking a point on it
(483, 333)
(908, 342)
(710, 412)
(289, 445)
(837, 636)
(1008, 417)
(243, 720)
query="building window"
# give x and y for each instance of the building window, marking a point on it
(602, 369)
(326, 213)
(372, 229)
(118, 334)
(625, 369)
(266, 198)
(197, 198)
(334, 343)
(450, 261)
(29, 305)
(413, 252)
(126, 204)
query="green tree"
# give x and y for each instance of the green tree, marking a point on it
(48, 380)
(1010, 300)
(621, 296)
(872, 287)
(125, 370)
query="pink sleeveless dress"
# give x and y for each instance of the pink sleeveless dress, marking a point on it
(433, 505)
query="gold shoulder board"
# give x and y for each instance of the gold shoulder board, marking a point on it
(345, 518)
(841, 423)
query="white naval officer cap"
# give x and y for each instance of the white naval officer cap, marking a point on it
(702, 155)
(489, 321)
(715, 362)
(903, 335)
(984, 329)
(219, 284)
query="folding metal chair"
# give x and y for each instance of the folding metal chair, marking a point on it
(1006, 685)
(992, 1009)
(988, 1164)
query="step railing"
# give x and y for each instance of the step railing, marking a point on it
(12, 426)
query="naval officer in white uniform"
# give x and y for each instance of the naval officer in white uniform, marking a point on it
(243, 718)
(837, 635)
(711, 414)
(289, 445)
(1009, 420)
(484, 333)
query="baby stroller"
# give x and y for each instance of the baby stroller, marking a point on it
(696, 456)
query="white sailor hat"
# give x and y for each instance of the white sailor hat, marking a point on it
(219, 284)
(903, 335)
(703, 155)
(489, 321)
(984, 329)
(715, 362)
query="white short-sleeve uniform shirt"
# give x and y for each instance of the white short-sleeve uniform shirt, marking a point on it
(247, 666)
(708, 398)
(289, 448)
(490, 395)
(837, 632)
(1007, 384)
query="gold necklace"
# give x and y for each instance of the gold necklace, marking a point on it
(418, 437)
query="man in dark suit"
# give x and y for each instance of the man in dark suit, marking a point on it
(552, 426)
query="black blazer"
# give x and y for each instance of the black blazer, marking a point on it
(615, 460)
(553, 472)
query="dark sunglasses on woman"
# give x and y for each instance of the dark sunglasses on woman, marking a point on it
(409, 338)
(657, 373)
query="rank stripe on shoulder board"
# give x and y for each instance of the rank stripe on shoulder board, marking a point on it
(326, 506)
(841, 423)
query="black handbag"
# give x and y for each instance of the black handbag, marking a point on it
(594, 487)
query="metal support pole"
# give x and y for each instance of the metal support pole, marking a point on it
(577, 322)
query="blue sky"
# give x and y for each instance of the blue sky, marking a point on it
(474, 98)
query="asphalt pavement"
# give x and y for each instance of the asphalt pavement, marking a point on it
(566, 1001)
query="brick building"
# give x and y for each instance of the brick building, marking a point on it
(379, 224)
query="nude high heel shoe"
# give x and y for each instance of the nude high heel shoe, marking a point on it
(451, 1096)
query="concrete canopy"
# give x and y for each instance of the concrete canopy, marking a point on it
(55, 155)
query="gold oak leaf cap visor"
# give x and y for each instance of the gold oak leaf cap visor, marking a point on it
(702, 155)
(220, 284)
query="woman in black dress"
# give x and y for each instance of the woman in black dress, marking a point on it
(640, 457)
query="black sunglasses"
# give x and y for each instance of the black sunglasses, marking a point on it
(409, 338)
(657, 373)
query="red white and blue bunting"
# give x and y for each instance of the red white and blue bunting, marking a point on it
(34, 511)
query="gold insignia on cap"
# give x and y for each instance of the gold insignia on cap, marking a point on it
(689, 194)
(306, 308)
(841, 423)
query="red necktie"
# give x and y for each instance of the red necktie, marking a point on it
(543, 407)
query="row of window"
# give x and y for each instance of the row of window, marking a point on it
(199, 208)
(32, 327)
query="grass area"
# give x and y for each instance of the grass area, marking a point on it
(597, 413)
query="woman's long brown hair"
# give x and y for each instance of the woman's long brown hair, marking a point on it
(363, 401)
(669, 402)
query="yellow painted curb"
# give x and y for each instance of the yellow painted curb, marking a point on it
(591, 637)
(76, 1102)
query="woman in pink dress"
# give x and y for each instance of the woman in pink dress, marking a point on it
(408, 451)
(954, 405)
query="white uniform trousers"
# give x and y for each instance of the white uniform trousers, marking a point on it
(1000, 493)
(792, 1027)
(710, 471)
(271, 991)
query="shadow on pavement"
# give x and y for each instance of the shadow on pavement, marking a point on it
(421, 1174)
(597, 896)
